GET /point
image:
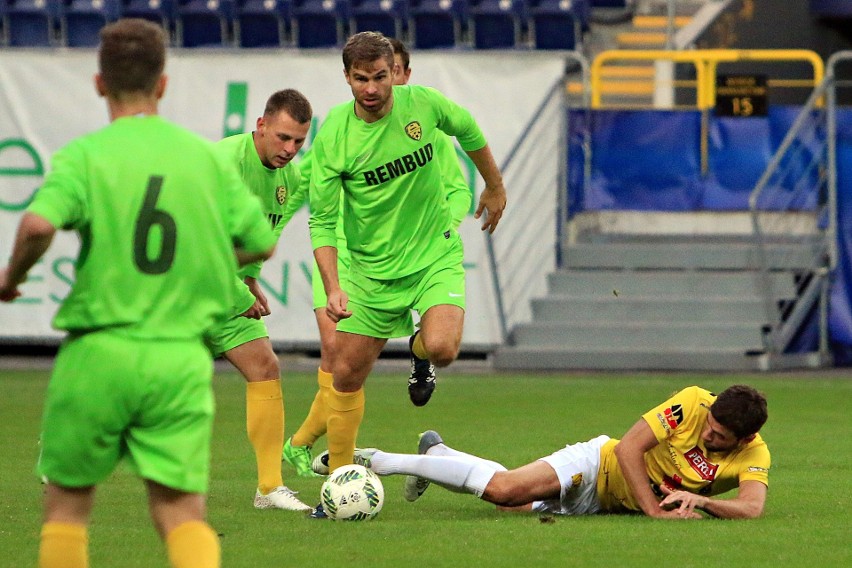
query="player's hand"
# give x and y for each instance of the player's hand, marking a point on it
(260, 297)
(254, 312)
(7, 292)
(336, 306)
(492, 201)
(682, 503)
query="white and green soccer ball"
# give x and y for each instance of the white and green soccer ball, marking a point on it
(352, 493)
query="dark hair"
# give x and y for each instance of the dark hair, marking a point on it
(400, 49)
(132, 56)
(291, 101)
(366, 47)
(740, 409)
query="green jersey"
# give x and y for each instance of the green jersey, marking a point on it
(279, 194)
(157, 212)
(395, 212)
(455, 185)
(278, 189)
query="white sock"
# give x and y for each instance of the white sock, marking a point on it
(462, 474)
(445, 450)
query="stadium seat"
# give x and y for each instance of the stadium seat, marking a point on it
(204, 23)
(162, 12)
(32, 23)
(497, 23)
(437, 23)
(82, 20)
(386, 16)
(320, 23)
(262, 23)
(554, 25)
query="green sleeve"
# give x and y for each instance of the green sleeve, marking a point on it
(247, 225)
(61, 198)
(457, 121)
(455, 185)
(296, 178)
(325, 188)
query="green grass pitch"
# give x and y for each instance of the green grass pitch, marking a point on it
(511, 418)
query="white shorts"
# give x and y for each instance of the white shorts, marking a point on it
(576, 467)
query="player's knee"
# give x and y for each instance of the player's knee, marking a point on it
(442, 350)
(347, 378)
(503, 491)
(268, 368)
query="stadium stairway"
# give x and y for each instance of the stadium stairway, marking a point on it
(664, 302)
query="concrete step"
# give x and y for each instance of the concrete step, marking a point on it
(686, 255)
(696, 283)
(661, 308)
(636, 335)
(615, 359)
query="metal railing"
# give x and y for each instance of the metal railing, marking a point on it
(810, 144)
(532, 208)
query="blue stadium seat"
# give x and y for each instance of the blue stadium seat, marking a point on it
(554, 25)
(162, 12)
(831, 8)
(32, 23)
(498, 23)
(204, 23)
(386, 16)
(82, 20)
(437, 23)
(262, 23)
(320, 23)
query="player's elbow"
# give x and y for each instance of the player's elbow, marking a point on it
(753, 511)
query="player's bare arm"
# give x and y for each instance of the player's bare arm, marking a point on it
(748, 504)
(261, 303)
(35, 233)
(326, 258)
(630, 453)
(244, 257)
(492, 201)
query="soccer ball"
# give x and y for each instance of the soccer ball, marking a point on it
(352, 493)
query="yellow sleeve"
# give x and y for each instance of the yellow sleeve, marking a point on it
(677, 413)
(755, 462)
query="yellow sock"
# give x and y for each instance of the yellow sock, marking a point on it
(345, 412)
(265, 427)
(193, 545)
(417, 347)
(64, 545)
(315, 423)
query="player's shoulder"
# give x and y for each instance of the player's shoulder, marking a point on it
(233, 141)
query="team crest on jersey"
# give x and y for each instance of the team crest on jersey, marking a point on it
(281, 194)
(414, 131)
(674, 416)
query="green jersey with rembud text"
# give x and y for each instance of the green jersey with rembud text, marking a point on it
(395, 212)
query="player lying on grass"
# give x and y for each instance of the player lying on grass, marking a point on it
(672, 463)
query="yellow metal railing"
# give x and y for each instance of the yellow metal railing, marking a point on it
(705, 63)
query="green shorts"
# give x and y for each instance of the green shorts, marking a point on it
(382, 308)
(112, 396)
(233, 333)
(320, 298)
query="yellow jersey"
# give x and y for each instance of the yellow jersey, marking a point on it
(680, 460)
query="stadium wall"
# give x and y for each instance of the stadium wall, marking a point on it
(47, 98)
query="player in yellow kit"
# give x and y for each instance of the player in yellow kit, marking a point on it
(672, 463)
